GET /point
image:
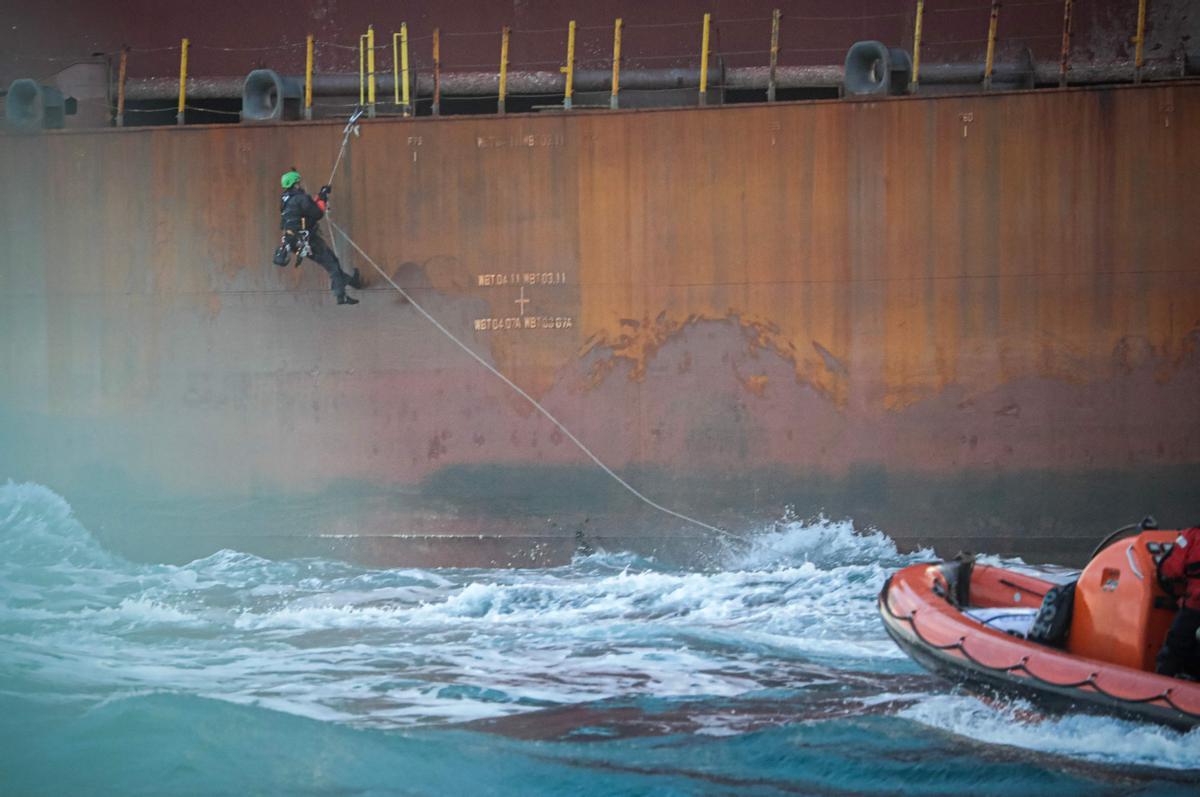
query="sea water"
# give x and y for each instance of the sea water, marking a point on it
(770, 674)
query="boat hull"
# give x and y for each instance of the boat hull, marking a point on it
(942, 641)
(869, 310)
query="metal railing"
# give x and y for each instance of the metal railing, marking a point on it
(413, 80)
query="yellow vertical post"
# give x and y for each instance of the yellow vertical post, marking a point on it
(437, 72)
(616, 80)
(774, 55)
(704, 61)
(916, 75)
(503, 67)
(183, 48)
(1064, 63)
(362, 70)
(395, 68)
(308, 76)
(404, 68)
(121, 87)
(371, 70)
(1139, 59)
(570, 67)
(991, 45)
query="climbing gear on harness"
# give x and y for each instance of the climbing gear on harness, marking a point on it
(282, 253)
(303, 247)
(289, 179)
(291, 242)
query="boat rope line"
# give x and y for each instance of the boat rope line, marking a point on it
(350, 128)
(1022, 665)
(536, 405)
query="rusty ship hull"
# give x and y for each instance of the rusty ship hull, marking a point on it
(965, 320)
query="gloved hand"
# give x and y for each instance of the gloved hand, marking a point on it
(323, 194)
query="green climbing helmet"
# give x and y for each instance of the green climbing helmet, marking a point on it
(289, 179)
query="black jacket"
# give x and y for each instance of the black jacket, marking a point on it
(299, 211)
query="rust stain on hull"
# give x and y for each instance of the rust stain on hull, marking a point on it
(880, 233)
(641, 340)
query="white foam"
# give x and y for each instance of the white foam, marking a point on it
(315, 616)
(1093, 738)
(142, 611)
(392, 648)
(824, 542)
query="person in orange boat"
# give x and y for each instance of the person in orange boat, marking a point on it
(1180, 568)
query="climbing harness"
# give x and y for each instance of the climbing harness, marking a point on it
(352, 129)
(298, 243)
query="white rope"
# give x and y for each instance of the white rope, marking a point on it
(530, 398)
(351, 127)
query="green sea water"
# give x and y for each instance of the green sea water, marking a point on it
(613, 675)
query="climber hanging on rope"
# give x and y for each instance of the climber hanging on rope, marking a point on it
(299, 214)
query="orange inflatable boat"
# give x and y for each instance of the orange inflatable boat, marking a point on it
(1067, 640)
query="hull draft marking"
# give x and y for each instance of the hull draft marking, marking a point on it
(526, 318)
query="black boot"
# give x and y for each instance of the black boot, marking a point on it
(355, 280)
(344, 299)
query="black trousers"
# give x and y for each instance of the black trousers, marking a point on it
(324, 257)
(1180, 652)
